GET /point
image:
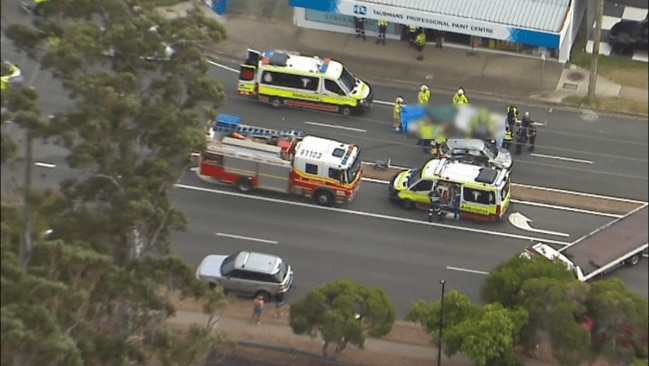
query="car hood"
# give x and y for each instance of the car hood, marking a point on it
(503, 159)
(211, 266)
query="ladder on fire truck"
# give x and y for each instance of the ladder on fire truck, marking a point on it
(228, 124)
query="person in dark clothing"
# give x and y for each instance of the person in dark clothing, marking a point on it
(439, 39)
(435, 205)
(279, 302)
(360, 27)
(531, 135)
(383, 27)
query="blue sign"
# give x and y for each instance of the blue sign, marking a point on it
(534, 38)
(322, 5)
(360, 10)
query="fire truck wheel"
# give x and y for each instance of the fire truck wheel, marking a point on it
(407, 204)
(633, 260)
(324, 198)
(244, 184)
(345, 111)
(276, 102)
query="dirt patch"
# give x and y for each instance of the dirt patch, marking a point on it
(547, 196)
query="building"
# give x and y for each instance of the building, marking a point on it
(531, 27)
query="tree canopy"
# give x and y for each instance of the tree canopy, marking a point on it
(342, 313)
(142, 95)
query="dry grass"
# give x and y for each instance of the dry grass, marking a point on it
(637, 77)
(612, 104)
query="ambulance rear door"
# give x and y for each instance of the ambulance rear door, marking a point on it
(248, 74)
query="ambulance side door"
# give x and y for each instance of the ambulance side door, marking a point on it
(419, 192)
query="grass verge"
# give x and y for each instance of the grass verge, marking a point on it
(612, 104)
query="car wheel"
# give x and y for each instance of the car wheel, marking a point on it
(324, 198)
(244, 185)
(633, 260)
(264, 295)
(276, 102)
(346, 111)
(407, 205)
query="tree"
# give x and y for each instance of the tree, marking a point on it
(503, 285)
(343, 312)
(72, 305)
(138, 114)
(620, 320)
(486, 334)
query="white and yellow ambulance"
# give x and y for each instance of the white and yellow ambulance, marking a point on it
(284, 78)
(476, 192)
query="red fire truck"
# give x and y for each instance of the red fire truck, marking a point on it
(286, 161)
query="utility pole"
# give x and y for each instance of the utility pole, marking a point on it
(592, 81)
(441, 325)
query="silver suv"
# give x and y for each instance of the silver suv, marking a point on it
(475, 151)
(247, 273)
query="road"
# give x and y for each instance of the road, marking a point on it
(370, 241)
(374, 242)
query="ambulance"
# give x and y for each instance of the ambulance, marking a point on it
(284, 78)
(480, 193)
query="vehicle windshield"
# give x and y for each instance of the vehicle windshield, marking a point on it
(228, 265)
(347, 80)
(354, 170)
(279, 276)
(415, 176)
(491, 150)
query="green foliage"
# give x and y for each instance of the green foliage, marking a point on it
(138, 115)
(343, 312)
(503, 285)
(486, 334)
(570, 342)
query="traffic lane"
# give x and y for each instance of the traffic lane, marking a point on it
(324, 246)
(44, 177)
(585, 178)
(636, 278)
(372, 201)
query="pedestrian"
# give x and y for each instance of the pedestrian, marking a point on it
(279, 302)
(360, 27)
(435, 205)
(531, 135)
(507, 140)
(258, 309)
(439, 39)
(383, 27)
(424, 95)
(398, 108)
(460, 97)
(421, 42)
(520, 137)
(412, 34)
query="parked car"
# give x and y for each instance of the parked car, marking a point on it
(477, 151)
(247, 273)
(628, 35)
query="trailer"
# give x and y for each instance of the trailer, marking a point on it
(621, 242)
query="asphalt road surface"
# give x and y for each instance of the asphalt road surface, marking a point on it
(373, 241)
(370, 241)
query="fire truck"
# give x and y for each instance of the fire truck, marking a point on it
(288, 161)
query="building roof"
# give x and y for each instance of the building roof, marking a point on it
(543, 15)
(283, 60)
(331, 152)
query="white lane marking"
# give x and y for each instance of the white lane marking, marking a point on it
(562, 158)
(467, 270)
(334, 126)
(45, 165)
(246, 238)
(377, 181)
(384, 103)
(369, 214)
(391, 166)
(222, 66)
(563, 208)
(523, 222)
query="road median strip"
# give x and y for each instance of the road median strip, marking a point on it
(550, 196)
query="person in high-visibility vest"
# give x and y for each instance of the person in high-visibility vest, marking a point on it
(460, 97)
(383, 27)
(421, 42)
(507, 140)
(424, 95)
(396, 114)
